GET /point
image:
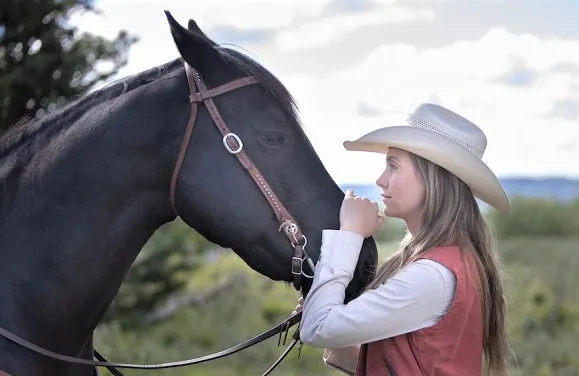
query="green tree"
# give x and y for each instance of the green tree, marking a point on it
(44, 61)
(160, 274)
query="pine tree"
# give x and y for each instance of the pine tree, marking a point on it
(45, 61)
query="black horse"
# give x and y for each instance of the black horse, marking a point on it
(84, 188)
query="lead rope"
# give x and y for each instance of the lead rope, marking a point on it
(295, 340)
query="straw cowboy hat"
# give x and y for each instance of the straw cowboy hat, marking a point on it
(445, 138)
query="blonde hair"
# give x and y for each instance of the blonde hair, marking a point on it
(451, 216)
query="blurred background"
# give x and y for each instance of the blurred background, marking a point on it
(512, 67)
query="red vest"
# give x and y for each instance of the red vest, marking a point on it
(452, 347)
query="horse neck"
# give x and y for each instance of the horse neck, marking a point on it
(77, 211)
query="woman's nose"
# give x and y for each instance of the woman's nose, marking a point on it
(382, 180)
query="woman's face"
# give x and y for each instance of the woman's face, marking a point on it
(402, 189)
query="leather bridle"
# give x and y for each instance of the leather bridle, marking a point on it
(199, 94)
(234, 145)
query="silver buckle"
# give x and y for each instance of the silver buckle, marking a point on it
(297, 265)
(236, 139)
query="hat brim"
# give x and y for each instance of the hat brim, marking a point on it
(444, 152)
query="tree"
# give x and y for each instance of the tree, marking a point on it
(45, 61)
(159, 277)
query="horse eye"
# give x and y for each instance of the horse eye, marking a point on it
(273, 138)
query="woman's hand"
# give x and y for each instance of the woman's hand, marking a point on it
(299, 306)
(360, 215)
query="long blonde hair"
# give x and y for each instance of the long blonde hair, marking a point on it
(451, 215)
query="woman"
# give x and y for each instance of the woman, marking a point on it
(437, 305)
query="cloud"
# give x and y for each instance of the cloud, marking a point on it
(519, 76)
(566, 68)
(351, 5)
(366, 110)
(239, 36)
(321, 31)
(518, 88)
(566, 109)
(238, 14)
(241, 22)
(527, 126)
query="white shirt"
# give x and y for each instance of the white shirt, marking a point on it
(415, 298)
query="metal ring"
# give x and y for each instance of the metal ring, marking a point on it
(307, 276)
(303, 245)
(236, 137)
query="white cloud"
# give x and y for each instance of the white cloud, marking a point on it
(146, 19)
(320, 32)
(240, 14)
(463, 75)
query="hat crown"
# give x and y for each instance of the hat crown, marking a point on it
(447, 123)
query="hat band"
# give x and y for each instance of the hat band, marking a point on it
(418, 122)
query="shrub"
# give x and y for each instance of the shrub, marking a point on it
(392, 231)
(537, 218)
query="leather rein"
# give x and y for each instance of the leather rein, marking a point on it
(199, 94)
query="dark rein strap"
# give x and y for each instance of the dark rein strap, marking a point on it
(112, 370)
(279, 329)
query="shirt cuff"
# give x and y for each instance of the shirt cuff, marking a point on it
(340, 249)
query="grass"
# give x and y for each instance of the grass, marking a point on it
(543, 316)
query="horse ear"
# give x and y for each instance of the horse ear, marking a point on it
(194, 48)
(194, 28)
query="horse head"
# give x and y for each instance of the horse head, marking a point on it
(217, 196)
(83, 189)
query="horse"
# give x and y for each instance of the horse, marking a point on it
(82, 189)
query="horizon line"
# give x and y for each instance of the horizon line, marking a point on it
(501, 178)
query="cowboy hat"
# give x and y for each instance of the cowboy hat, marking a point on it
(445, 138)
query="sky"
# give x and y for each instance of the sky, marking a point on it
(511, 67)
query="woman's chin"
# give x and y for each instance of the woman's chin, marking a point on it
(389, 213)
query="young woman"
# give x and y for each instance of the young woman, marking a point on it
(436, 306)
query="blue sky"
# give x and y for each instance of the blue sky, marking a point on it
(512, 67)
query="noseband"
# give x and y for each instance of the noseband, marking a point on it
(287, 224)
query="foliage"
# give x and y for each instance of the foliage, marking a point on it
(534, 217)
(45, 61)
(249, 307)
(163, 268)
(393, 230)
(184, 298)
(540, 278)
(544, 313)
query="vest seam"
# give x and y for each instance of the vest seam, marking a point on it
(377, 363)
(414, 344)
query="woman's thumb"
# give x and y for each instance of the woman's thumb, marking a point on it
(381, 218)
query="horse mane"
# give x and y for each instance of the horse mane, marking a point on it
(27, 128)
(266, 79)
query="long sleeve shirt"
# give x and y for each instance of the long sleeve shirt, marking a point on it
(416, 297)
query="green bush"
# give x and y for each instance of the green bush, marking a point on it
(538, 243)
(537, 218)
(533, 217)
(392, 231)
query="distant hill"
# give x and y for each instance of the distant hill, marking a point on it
(561, 189)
